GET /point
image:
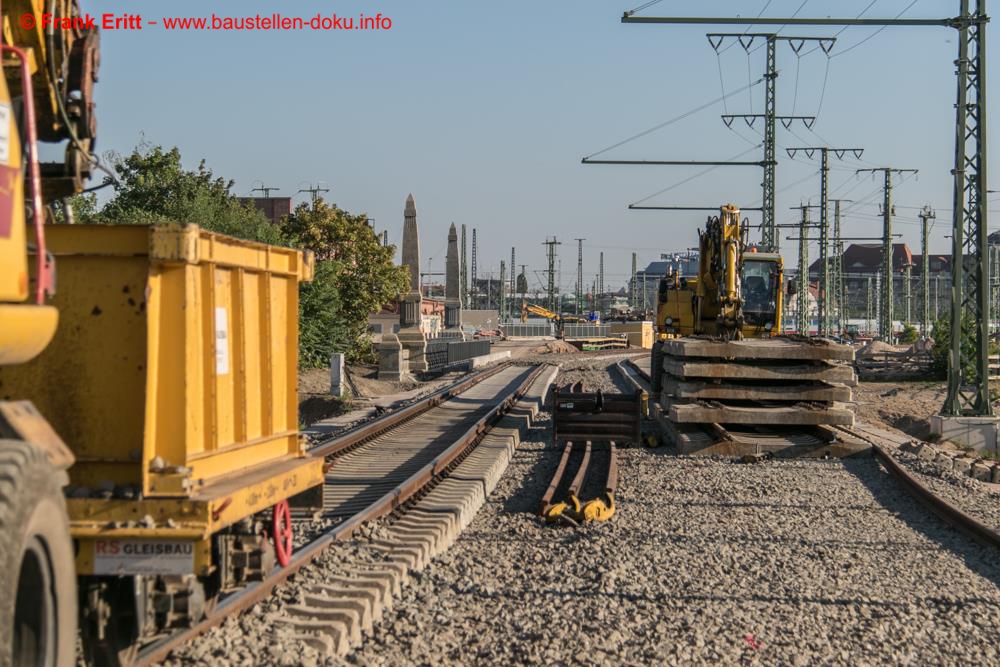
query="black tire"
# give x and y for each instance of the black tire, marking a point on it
(38, 604)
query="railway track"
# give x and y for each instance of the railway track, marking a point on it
(880, 449)
(769, 563)
(400, 464)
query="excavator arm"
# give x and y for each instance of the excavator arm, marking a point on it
(63, 63)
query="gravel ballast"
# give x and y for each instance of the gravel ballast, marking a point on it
(705, 562)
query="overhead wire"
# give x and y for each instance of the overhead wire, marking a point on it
(759, 14)
(643, 6)
(695, 176)
(874, 34)
(675, 119)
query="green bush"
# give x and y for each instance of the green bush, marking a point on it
(909, 334)
(942, 345)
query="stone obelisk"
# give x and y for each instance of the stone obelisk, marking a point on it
(411, 336)
(452, 289)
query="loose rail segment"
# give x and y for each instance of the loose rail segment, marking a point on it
(581, 420)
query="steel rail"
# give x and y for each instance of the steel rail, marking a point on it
(550, 492)
(638, 370)
(946, 511)
(392, 500)
(343, 442)
(581, 472)
(611, 481)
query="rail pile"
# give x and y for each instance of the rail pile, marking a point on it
(590, 426)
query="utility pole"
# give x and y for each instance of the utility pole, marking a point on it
(464, 277)
(802, 296)
(314, 191)
(600, 282)
(550, 250)
(475, 287)
(870, 308)
(632, 301)
(994, 284)
(503, 287)
(886, 315)
(926, 215)
(908, 293)
(970, 277)
(513, 285)
(559, 284)
(838, 269)
(937, 294)
(769, 230)
(826, 287)
(385, 238)
(579, 276)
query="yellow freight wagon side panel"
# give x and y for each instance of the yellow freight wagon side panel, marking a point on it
(174, 363)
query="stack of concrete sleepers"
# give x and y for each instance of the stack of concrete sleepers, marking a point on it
(754, 389)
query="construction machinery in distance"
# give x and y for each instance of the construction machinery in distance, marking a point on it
(723, 377)
(149, 443)
(539, 311)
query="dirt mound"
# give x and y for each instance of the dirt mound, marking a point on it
(556, 347)
(879, 347)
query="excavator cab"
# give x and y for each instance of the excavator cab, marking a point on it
(762, 298)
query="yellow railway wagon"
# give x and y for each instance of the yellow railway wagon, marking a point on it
(172, 378)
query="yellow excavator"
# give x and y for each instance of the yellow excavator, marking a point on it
(46, 95)
(539, 311)
(736, 294)
(559, 319)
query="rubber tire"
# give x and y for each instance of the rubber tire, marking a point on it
(33, 513)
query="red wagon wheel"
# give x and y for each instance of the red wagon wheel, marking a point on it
(281, 531)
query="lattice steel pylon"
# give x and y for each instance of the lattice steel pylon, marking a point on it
(579, 276)
(632, 287)
(550, 251)
(826, 284)
(475, 287)
(994, 287)
(513, 286)
(464, 275)
(886, 315)
(802, 287)
(502, 288)
(870, 307)
(970, 253)
(600, 281)
(837, 270)
(769, 230)
(908, 291)
(970, 257)
(925, 271)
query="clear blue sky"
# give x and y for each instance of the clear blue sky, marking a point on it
(484, 110)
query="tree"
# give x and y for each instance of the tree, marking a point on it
(942, 345)
(153, 187)
(355, 276)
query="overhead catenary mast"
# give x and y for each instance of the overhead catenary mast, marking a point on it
(970, 269)
(886, 310)
(827, 289)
